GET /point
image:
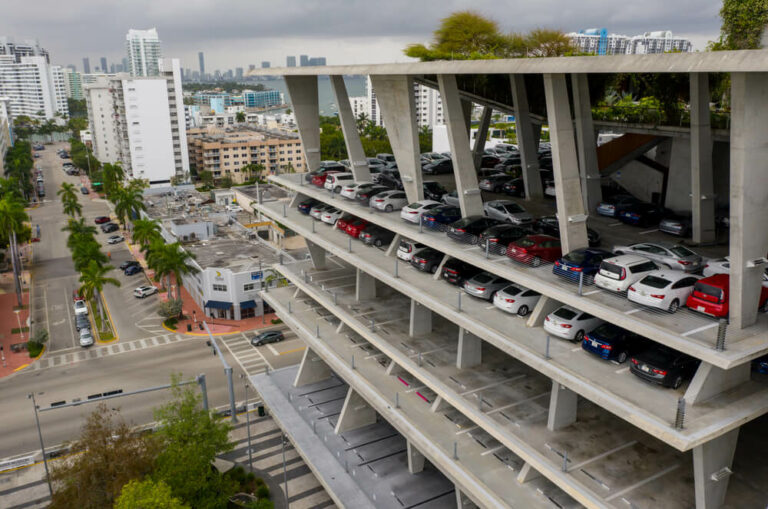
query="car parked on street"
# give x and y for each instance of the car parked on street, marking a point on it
(427, 260)
(413, 211)
(115, 239)
(376, 236)
(468, 229)
(671, 256)
(507, 211)
(612, 343)
(456, 271)
(535, 249)
(84, 190)
(389, 201)
(133, 269)
(439, 216)
(549, 225)
(86, 338)
(144, 291)
(569, 323)
(82, 321)
(584, 261)
(267, 337)
(663, 366)
(128, 263)
(516, 299)
(102, 220)
(617, 274)
(484, 285)
(407, 248)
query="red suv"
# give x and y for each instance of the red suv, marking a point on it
(356, 226)
(532, 249)
(319, 179)
(710, 295)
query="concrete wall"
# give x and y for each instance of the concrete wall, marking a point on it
(202, 230)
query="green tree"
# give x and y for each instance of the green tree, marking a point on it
(112, 176)
(170, 259)
(206, 177)
(79, 231)
(148, 494)
(548, 43)
(225, 181)
(128, 203)
(18, 166)
(463, 35)
(77, 108)
(93, 279)
(12, 219)
(240, 116)
(69, 202)
(744, 22)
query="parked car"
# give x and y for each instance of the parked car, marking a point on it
(128, 263)
(451, 198)
(642, 214)
(549, 225)
(456, 271)
(387, 158)
(305, 207)
(494, 183)
(711, 295)
(507, 211)
(267, 337)
(317, 211)
(614, 205)
(671, 256)
(760, 365)
(433, 190)
(319, 179)
(331, 215)
(355, 227)
(389, 201)
(344, 220)
(364, 195)
(86, 338)
(331, 166)
(392, 179)
(84, 190)
(335, 181)
(717, 266)
(488, 172)
(101, 220)
(115, 239)
(489, 161)
(612, 343)
(663, 289)
(144, 291)
(516, 299)
(350, 190)
(427, 260)
(533, 249)
(432, 156)
(664, 366)
(468, 229)
(438, 167)
(109, 227)
(374, 163)
(442, 215)
(500, 236)
(618, 273)
(82, 321)
(38, 147)
(676, 224)
(133, 269)
(407, 248)
(376, 236)
(569, 323)
(581, 261)
(80, 307)
(484, 285)
(514, 187)
(413, 211)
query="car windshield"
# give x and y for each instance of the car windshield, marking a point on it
(682, 252)
(525, 243)
(512, 290)
(575, 257)
(483, 278)
(609, 267)
(607, 331)
(655, 282)
(513, 208)
(706, 289)
(565, 313)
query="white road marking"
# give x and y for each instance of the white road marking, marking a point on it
(622, 370)
(490, 307)
(704, 327)
(272, 349)
(641, 483)
(648, 231)
(591, 292)
(632, 311)
(576, 349)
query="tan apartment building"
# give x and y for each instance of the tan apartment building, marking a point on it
(224, 152)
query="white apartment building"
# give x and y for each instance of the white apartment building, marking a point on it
(360, 105)
(73, 81)
(658, 42)
(143, 47)
(6, 122)
(25, 48)
(34, 87)
(101, 118)
(598, 41)
(429, 106)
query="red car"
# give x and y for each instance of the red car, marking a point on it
(710, 295)
(343, 221)
(355, 227)
(319, 180)
(101, 220)
(532, 249)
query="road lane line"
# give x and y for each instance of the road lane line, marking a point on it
(704, 327)
(648, 231)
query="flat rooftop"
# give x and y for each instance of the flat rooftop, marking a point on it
(235, 254)
(238, 134)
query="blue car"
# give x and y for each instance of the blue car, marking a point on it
(133, 269)
(581, 261)
(305, 206)
(438, 216)
(613, 343)
(761, 365)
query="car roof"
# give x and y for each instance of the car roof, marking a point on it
(665, 245)
(628, 259)
(671, 275)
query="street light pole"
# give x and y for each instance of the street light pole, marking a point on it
(42, 446)
(18, 320)
(247, 422)
(285, 475)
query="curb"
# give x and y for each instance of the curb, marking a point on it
(200, 334)
(111, 323)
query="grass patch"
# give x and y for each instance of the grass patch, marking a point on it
(275, 321)
(104, 335)
(171, 322)
(16, 330)
(34, 348)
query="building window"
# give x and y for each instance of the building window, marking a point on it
(249, 287)
(247, 313)
(219, 288)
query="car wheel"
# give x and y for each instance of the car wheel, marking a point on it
(388, 208)
(377, 243)
(674, 306)
(433, 269)
(678, 382)
(522, 310)
(337, 190)
(622, 357)
(536, 261)
(579, 336)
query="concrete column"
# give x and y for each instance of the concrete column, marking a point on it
(710, 381)
(749, 193)
(365, 286)
(527, 473)
(303, 92)
(563, 405)
(712, 462)
(312, 369)
(543, 307)
(392, 249)
(317, 254)
(702, 184)
(415, 459)
(470, 200)
(470, 350)
(348, 121)
(482, 131)
(466, 110)
(585, 137)
(527, 139)
(421, 319)
(398, 110)
(570, 205)
(355, 413)
(439, 272)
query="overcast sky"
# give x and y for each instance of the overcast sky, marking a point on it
(235, 33)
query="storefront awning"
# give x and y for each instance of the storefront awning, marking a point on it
(248, 304)
(217, 304)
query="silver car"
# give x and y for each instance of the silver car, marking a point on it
(508, 211)
(484, 285)
(389, 201)
(671, 256)
(451, 198)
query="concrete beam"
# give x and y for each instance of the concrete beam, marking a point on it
(570, 205)
(355, 413)
(702, 183)
(563, 406)
(439, 272)
(587, 143)
(527, 473)
(421, 319)
(478, 148)
(712, 464)
(470, 200)
(462, 500)
(392, 249)
(470, 350)
(415, 459)
(439, 405)
(543, 307)
(527, 140)
(398, 109)
(313, 369)
(303, 92)
(749, 193)
(316, 254)
(711, 381)
(466, 110)
(355, 152)
(365, 286)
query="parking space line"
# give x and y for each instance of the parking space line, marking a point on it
(494, 384)
(591, 292)
(622, 370)
(518, 403)
(641, 483)
(632, 311)
(699, 329)
(491, 451)
(294, 350)
(648, 231)
(490, 307)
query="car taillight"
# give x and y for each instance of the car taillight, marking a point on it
(510, 301)
(451, 271)
(566, 325)
(606, 347)
(576, 269)
(657, 296)
(546, 319)
(422, 262)
(460, 230)
(632, 289)
(660, 372)
(430, 219)
(557, 264)
(683, 262)
(378, 200)
(493, 240)
(413, 211)
(634, 361)
(480, 289)
(623, 274)
(522, 249)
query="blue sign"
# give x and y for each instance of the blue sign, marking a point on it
(257, 275)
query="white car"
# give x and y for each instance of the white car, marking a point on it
(663, 289)
(412, 212)
(717, 266)
(144, 291)
(336, 181)
(331, 216)
(570, 323)
(86, 338)
(407, 248)
(114, 239)
(389, 201)
(516, 299)
(81, 308)
(350, 191)
(617, 274)
(234, 208)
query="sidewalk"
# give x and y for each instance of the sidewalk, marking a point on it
(8, 321)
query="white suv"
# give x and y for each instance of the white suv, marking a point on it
(618, 273)
(144, 291)
(336, 181)
(81, 308)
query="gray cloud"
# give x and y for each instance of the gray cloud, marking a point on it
(238, 32)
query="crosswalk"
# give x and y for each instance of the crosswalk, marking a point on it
(248, 356)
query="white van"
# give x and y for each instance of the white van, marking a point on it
(618, 273)
(336, 181)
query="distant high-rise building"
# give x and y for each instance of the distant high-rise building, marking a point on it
(201, 59)
(27, 48)
(112, 68)
(86, 66)
(290, 61)
(598, 41)
(125, 65)
(317, 61)
(303, 60)
(265, 65)
(104, 66)
(6, 125)
(143, 47)
(239, 73)
(73, 83)
(33, 86)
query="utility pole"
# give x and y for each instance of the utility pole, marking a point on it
(227, 371)
(31, 396)
(247, 421)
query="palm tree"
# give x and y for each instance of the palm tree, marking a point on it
(156, 260)
(69, 201)
(179, 263)
(86, 251)
(112, 176)
(145, 231)
(93, 279)
(78, 231)
(12, 219)
(240, 117)
(128, 203)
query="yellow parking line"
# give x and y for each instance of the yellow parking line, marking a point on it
(294, 350)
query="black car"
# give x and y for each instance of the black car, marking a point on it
(364, 197)
(642, 214)
(109, 227)
(391, 179)
(441, 166)
(128, 263)
(501, 236)
(468, 229)
(613, 343)
(514, 187)
(511, 169)
(664, 366)
(82, 322)
(433, 190)
(427, 260)
(549, 225)
(270, 336)
(494, 183)
(376, 236)
(306, 205)
(456, 271)
(489, 161)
